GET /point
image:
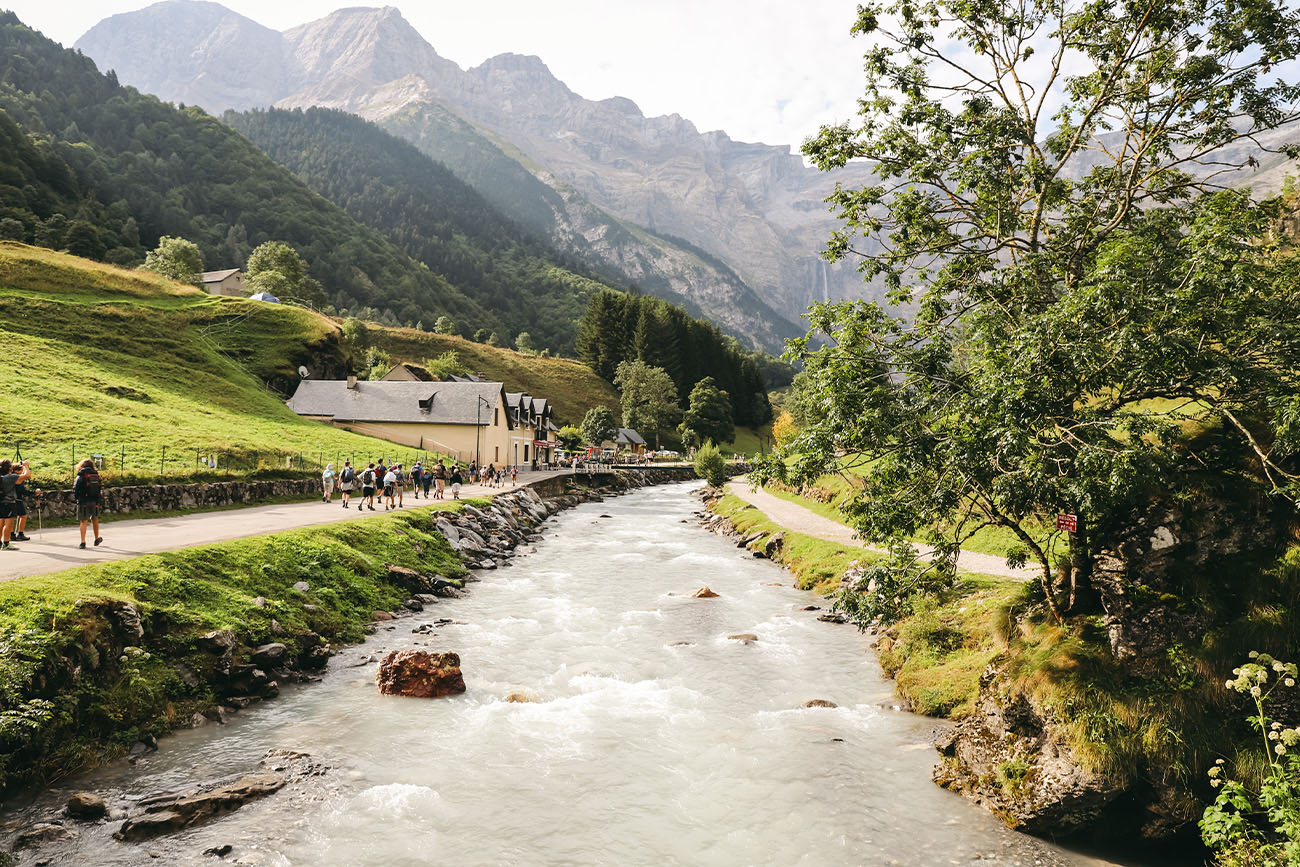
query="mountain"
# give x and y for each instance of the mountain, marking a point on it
(621, 189)
(433, 216)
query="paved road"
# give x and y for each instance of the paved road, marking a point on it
(56, 549)
(795, 517)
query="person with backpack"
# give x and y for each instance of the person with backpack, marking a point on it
(88, 491)
(10, 478)
(367, 488)
(455, 481)
(428, 480)
(347, 478)
(399, 484)
(19, 533)
(327, 482)
(440, 481)
(390, 482)
(417, 472)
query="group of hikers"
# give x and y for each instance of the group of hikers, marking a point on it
(87, 492)
(390, 481)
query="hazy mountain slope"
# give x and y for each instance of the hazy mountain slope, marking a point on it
(181, 172)
(431, 214)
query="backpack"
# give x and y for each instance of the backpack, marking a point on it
(347, 475)
(93, 484)
(368, 478)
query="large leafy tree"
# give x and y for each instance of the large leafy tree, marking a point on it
(598, 425)
(277, 268)
(649, 398)
(177, 259)
(1094, 314)
(709, 413)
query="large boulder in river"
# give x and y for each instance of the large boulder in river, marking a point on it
(87, 806)
(704, 593)
(174, 811)
(420, 674)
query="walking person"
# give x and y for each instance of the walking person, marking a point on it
(367, 488)
(327, 482)
(514, 475)
(417, 472)
(455, 481)
(440, 480)
(427, 479)
(88, 491)
(399, 482)
(19, 533)
(390, 479)
(347, 479)
(10, 478)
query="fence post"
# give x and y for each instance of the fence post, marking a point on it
(162, 465)
(121, 462)
(196, 460)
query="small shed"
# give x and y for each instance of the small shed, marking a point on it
(229, 282)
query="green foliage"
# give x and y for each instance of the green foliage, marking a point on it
(709, 413)
(277, 268)
(444, 325)
(493, 339)
(710, 466)
(1250, 825)
(378, 363)
(649, 398)
(570, 438)
(446, 365)
(618, 327)
(524, 343)
(598, 425)
(1092, 326)
(518, 282)
(884, 593)
(176, 259)
(355, 334)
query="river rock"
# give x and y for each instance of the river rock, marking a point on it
(87, 806)
(820, 702)
(522, 696)
(172, 811)
(449, 532)
(833, 617)
(44, 832)
(219, 642)
(704, 593)
(381, 615)
(301, 586)
(270, 655)
(744, 637)
(420, 674)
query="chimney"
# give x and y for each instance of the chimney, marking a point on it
(352, 382)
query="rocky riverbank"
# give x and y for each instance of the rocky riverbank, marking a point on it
(117, 673)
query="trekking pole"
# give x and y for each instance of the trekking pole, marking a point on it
(40, 516)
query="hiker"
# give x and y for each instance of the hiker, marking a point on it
(440, 480)
(10, 478)
(327, 482)
(417, 472)
(19, 533)
(347, 478)
(399, 483)
(514, 475)
(455, 481)
(87, 492)
(390, 480)
(367, 488)
(428, 482)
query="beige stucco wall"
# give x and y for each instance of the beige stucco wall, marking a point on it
(457, 440)
(231, 287)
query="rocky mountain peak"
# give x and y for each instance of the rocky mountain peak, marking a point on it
(365, 45)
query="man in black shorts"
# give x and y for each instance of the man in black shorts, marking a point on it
(10, 478)
(20, 515)
(367, 488)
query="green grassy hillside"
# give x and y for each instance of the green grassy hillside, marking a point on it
(570, 385)
(123, 364)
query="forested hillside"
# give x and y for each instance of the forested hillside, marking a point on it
(136, 166)
(619, 327)
(429, 213)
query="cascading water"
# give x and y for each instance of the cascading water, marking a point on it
(653, 738)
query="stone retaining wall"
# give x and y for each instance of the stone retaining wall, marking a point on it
(168, 498)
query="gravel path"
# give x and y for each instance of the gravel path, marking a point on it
(56, 548)
(799, 519)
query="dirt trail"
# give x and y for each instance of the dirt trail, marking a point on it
(800, 519)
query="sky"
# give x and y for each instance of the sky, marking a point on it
(760, 70)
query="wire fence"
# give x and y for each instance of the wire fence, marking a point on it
(54, 464)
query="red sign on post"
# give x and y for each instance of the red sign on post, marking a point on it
(1069, 523)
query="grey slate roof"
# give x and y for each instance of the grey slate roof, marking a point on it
(452, 403)
(629, 436)
(218, 276)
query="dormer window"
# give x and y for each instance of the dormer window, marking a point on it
(426, 405)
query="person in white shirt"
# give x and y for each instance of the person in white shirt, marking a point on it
(390, 482)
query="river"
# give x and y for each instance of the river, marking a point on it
(655, 739)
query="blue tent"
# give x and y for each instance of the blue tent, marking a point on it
(264, 296)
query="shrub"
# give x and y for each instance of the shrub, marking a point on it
(710, 466)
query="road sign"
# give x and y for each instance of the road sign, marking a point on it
(1069, 523)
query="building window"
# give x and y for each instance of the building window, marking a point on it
(525, 454)
(494, 417)
(496, 453)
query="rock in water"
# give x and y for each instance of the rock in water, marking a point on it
(521, 696)
(820, 702)
(174, 811)
(420, 674)
(744, 637)
(704, 593)
(87, 806)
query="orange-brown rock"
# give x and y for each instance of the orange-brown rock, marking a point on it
(420, 674)
(704, 593)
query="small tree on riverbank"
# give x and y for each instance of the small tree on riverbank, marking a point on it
(710, 465)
